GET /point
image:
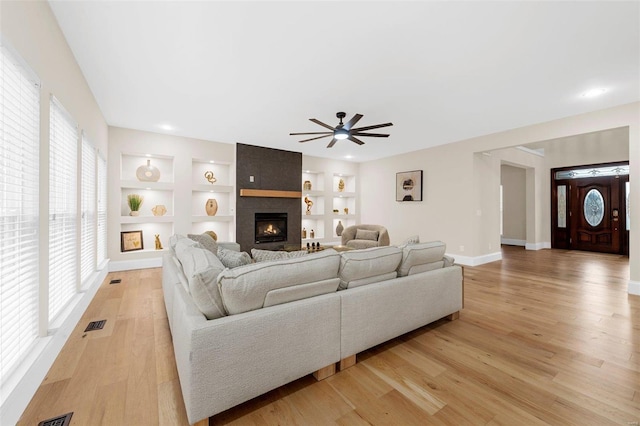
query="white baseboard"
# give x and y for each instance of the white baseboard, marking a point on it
(22, 385)
(513, 242)
(128, 265)
(477, 260)
(634, 288)
(537, 246)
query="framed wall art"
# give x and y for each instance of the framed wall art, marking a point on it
(131, 241)
(409, 186)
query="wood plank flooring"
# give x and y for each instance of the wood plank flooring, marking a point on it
(546, 337)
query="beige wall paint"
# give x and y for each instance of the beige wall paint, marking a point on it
(460, 203)
(514, 198)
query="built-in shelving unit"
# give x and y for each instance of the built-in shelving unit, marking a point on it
(211, 179)
(159, 193)
(330, 199)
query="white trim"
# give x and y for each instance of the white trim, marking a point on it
(127, 265)
(513, 242)
(538, 246)
(478, 260)
(26, 381)
(634, 287)
(539, 153)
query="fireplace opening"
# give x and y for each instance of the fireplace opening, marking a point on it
(271, 227)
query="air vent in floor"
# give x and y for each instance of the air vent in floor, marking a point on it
(57, 421)
(116, 281)
(95, 325)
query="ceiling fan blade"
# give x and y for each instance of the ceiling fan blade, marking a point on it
(313, 139)
(310, 133)
(373, 135)
(321, 123)
(332, 143)
(349, 124)
(356, 140)
(375, 126)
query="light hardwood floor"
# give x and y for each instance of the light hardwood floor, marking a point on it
(546, 337)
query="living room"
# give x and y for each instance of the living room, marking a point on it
(461, 174)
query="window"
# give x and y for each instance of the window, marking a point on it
(63, 153)
(19, 201)
(102, 210)
(88, 218)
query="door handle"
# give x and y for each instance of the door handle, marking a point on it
(615, 214)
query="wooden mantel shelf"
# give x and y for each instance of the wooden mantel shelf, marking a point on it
(270, 193)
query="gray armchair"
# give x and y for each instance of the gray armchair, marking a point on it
(365, 236)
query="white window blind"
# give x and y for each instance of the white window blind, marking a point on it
(63, 165)
(102, 210)
(19, 149)
(88, 202)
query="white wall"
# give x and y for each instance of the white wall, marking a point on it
(514, 207)
(30, 29)
(461, 204)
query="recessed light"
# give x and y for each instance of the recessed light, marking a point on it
(592, 93)
(167, 127)
(212, 162)
(348, 157)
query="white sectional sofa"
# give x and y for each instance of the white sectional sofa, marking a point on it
(274, 322)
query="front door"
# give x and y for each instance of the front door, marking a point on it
(596, 215)
(589, 208)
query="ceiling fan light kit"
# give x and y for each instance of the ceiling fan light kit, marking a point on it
(344, 130)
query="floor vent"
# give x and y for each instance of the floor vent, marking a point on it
(95, 325)
(57, 421)
(117, 281)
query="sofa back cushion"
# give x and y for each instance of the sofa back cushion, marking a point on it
(264, 284)
(421, 257)
(201, 267)
(368, 266)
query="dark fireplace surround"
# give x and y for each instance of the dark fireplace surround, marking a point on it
(259, 168)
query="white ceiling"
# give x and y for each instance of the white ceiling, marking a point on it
(252, 72)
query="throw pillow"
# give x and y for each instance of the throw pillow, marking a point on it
(206, 240)
(232, 259)
(363, 234)
(269, 255)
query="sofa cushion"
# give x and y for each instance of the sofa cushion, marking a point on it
(246, 288)
(364, 234)
(268, 255)
(361, 244)
(368, 266)
(416, 256)
(233, 259)
(206, 241)
(201, 267)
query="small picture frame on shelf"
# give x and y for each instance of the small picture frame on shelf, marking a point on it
(131, 241)
(409, 186)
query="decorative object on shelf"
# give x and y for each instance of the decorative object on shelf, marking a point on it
(409, 186)
(312, 234)
(341, 185)
(210, 177)
(159, 210)
(158, 243)
(309, 203)
(148, 173)
(134, 201)
(306, 185)
(212, 235)
(339, 228)
(304, 233)
(346, 210)
(313, 246)
(211, 207)
(336, 211)
(131, 241)
(308, 246)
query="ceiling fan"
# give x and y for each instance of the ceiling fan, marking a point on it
(344, 130)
